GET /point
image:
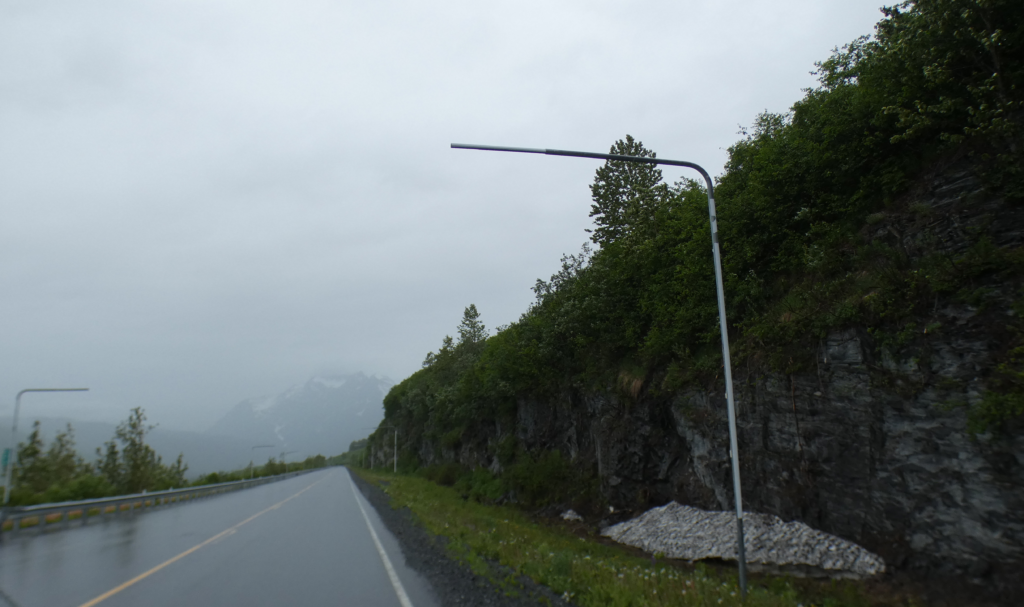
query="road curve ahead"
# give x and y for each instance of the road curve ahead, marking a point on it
(309, 540)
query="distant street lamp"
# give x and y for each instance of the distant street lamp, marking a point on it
(252, 468)
(284, 453)
(730, 401)
(9, 454)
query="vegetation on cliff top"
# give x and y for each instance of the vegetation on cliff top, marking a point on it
(941, 82)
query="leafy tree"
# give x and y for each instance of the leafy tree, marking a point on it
(54, 474)
(272, 467)
(139, 461)
(315, 461)
(447, 348)
(471, 330)
(31, 467)
(38, 470)
(572, 266)
(58, 473)
(624, 193)
(174, 475)
(109, 464)
(131, 465)
(62, 461)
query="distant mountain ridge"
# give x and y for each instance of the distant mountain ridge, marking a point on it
(322, 415)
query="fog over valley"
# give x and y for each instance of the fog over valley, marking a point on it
(321, 416)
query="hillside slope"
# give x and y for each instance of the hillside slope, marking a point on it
(872, 244)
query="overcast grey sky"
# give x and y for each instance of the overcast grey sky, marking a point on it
(209, 200)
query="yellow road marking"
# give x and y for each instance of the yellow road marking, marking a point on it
(106, 595)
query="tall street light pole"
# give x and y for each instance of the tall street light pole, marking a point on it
(284, 453)
(14, 434)
(252, 466)
(730, 400)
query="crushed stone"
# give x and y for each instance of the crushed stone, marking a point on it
(684, 532)
(571, 515)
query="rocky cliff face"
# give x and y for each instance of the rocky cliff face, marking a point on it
(840, 450)
(869, 445)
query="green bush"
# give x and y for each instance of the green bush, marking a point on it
(482, 486)
(81, 488)
(540, 480)
(1003, 402)
(210, 479)
(994, 411)
(445, 474)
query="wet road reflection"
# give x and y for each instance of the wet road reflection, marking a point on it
(302, 541)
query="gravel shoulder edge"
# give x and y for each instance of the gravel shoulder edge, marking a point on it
(453, 582)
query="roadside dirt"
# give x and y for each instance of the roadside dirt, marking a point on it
(453, 582)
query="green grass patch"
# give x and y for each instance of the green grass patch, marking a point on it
(583, 569)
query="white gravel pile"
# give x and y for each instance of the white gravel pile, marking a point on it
(683, 532)
(571, 515)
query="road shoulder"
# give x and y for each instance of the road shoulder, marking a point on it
(453, 582)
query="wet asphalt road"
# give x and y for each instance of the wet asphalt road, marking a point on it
(302, 541)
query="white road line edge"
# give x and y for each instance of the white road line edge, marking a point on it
(403, 598)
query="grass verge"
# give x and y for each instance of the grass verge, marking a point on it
(584, 569)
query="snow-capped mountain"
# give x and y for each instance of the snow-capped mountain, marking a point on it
(322, 416)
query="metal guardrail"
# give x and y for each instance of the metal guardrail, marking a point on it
(99, 508)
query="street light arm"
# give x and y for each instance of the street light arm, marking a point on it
(51, 390)
(618, 157)
(252, 463)
(497, 148)
(17, 400)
